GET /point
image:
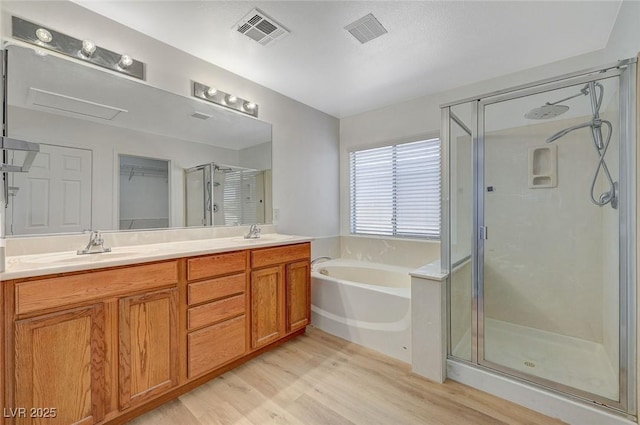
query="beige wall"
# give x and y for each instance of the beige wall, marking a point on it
(410, 253)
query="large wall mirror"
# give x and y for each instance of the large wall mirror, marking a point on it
(107, 139)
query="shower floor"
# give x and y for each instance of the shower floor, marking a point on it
(569, 361)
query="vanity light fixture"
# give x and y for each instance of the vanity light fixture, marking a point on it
(85, 49)
(44, 35)
(125, 61)
(217, 96)
(88, 48)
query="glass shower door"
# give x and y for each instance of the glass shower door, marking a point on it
(198, 196)
(459, 121)
(548, 250)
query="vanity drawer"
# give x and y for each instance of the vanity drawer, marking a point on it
(216, 265)
(41, 294)
(283, 254)
(212, 289)
(216, 311)
(215, 345)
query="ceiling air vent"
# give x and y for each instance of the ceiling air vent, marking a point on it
(201, 115)
(259, 27)
(366, 28)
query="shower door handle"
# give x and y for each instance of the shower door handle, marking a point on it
(484, 233)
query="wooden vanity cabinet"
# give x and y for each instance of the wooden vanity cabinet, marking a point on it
(148, 346)
(280, 292)
(298, 293)
(104, 346)
(217, 324)
(267, 306)
(80, 348)
(60, 367)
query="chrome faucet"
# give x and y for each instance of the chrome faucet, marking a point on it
(254, 232)
(95, 245)
(317, 260)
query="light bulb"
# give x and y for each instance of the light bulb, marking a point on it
(232, 99)
(125, 61)
(44, 35)
(250, 106)
(211, 92)
(88, 48)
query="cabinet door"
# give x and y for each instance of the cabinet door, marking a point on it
(266, 306)
(298, 295)
(60, 360)
(148, 346)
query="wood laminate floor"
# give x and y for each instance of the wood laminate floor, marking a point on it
(319, 379)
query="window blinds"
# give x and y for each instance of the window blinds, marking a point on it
(240, 197)
(395, 190)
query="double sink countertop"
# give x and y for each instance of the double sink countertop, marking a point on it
(69, 261)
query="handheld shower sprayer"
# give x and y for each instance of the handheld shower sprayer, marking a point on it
(596, 92)
(596, 102)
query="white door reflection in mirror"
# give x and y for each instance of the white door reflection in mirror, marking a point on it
(144, 193)
(55, 196)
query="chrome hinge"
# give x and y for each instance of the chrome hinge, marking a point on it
(484, 233)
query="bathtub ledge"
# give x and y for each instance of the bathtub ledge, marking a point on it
(430, 271)
(428, 322)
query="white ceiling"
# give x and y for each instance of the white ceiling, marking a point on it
(431, 46)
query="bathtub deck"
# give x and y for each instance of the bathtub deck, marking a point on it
(321, 379)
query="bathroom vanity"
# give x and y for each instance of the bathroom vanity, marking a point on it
(103, 341)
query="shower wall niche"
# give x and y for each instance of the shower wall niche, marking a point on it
(542, 167)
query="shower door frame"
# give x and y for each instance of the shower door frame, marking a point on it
(625, 71)
(207, 172)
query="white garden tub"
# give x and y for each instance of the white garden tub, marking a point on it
(366, 303)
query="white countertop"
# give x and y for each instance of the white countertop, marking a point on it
(63, 262)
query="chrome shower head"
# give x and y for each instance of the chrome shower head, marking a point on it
(546, 111)
(552, 110)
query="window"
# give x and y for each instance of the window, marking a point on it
(395, 190)
(239, 197)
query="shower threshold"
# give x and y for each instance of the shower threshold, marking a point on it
(570, 361)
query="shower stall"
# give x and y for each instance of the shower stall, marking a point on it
(225, 195)
(539, 234)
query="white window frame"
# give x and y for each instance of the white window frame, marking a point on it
(379, 171)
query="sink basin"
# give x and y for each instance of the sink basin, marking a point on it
(71, 258)
(269, 237)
